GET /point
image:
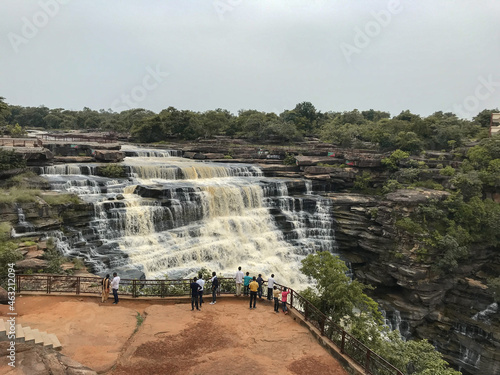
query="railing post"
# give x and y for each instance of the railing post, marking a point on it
(78, 285)
(291, 298)
(18, 288)
(306, 307)
(48, 284)
(134, 288)
(322, 325)
(342, 344)
(367, 363)
(162, 289)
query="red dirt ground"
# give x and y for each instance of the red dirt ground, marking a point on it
(225, 338)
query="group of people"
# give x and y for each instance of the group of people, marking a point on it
(254, 284)
(114, 284)
(197, 286)
(251, 286)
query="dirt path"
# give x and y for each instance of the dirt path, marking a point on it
(225, 338)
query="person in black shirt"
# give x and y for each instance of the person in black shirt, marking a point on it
(260, 280)
(195, 288)
(215, 286)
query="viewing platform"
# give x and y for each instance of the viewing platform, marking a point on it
(153, 328)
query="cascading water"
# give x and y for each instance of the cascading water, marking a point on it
(173, 216)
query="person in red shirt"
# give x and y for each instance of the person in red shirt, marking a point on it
(284, 297)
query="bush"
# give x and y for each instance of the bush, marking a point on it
(5, 229)
(393, 161)
(113, 171)
(390, 186)
(289, 159)
(362, 181)
(428, 184)
(447, 171)
(408, 225)
(11, 160)
(8, 254)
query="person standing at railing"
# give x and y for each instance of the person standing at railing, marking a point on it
(260, 280)
(253, 286)
(105, 289)
(270, 287)
(195, 288)
(276, 295)
(215, 286)
(246, 284)
(201, 282)
(115, 284)
(284, 298)
(239, 280)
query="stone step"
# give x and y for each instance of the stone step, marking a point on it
(37, 336)
(28, 335)
(31, 336)
(55, 341)
(20, 336)
(47, 342)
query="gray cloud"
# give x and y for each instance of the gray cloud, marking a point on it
(267, 55)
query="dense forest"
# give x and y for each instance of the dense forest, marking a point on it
(360, 129)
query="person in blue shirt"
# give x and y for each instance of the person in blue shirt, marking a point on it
(195, 288)
(246, 284)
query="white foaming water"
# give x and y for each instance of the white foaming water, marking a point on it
(211, 215)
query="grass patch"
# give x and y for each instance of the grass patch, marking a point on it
(18, 195)
(139, 320)
(57, 199)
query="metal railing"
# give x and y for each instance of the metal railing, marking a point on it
(371, 362)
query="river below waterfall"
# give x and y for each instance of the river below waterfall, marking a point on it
(172, 216)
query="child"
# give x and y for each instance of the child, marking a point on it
(276, 295)
(284, 297)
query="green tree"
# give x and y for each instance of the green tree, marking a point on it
(483, 118)
(392, 162)
(11, 160)
(335, 295)
(4, 110)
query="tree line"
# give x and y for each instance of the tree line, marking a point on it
(370, 128)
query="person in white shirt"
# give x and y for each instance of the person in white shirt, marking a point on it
(270, 286)
(239, 281)
(115, 284)
(201, 283)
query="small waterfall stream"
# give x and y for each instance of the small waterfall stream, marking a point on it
(172, 216)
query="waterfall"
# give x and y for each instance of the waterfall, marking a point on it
(176, 215)
(23, 227)
(393, 320)
(469, 357)
(484, 315)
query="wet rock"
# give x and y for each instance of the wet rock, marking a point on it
(109, 156)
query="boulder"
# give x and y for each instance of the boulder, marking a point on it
(109, 156)
(31, 264)
(35, 254)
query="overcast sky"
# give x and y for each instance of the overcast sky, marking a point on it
(269, 55)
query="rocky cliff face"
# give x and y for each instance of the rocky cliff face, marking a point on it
(455, 312)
